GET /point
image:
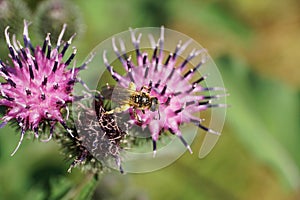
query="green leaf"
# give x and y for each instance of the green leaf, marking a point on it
(59, 187)
(264, 117)
(87, 190)
(64, 189)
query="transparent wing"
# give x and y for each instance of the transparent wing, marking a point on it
(117, 94)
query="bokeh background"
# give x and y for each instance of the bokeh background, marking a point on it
(256, 46)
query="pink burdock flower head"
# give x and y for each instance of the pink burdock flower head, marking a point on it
(164, 92)
(38, 86)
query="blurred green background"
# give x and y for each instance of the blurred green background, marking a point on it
(256, 46)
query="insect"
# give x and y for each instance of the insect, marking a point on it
(138, 100)
(98, 136)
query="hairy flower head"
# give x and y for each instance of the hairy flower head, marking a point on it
(38, 85)
(98, 138)
(164, 92)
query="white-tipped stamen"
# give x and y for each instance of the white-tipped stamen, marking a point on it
(71, 38)
(179, 44)
(3, 94)
(139, 38)
(92, 55)
(11, 48)
(115, 48)
(74, 50)
(183, 47)
(129, 58)
(25, 31)
(48, 139)
(68, 113)
(161, 40)
(70, 168)
(122, 46)
(192, 53)
(152, 41)
(218, 106)
(20, 45)
(51, 133)
(16, 43)
(132, 33)
(19, 144)
(73, 70)
(162, 34)
(105, 58)
(190, 149)
(213, 89)
(6, 33)
(185, 143)
(70, 132)
(21, 104)
(117, 52)
(63, 101)
(3, 74)
(36, 134)
(48, 38)
(87, 87)
(207, 129)
(154, 153)
(135, 41)
(71, 56)
(61, 35)
(84, 65)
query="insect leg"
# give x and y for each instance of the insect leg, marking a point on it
(122, 108)
(110, 112)
(136, 116)
(118, 109)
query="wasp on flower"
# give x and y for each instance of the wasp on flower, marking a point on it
(161, 93)
(137, 100)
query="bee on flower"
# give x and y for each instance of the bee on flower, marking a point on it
(158, 90)
(137, 100)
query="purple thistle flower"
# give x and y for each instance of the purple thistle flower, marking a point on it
(173, 98)
(39, 85)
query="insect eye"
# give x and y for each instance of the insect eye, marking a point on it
(154, 104)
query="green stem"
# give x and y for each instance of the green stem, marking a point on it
(85, 189)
